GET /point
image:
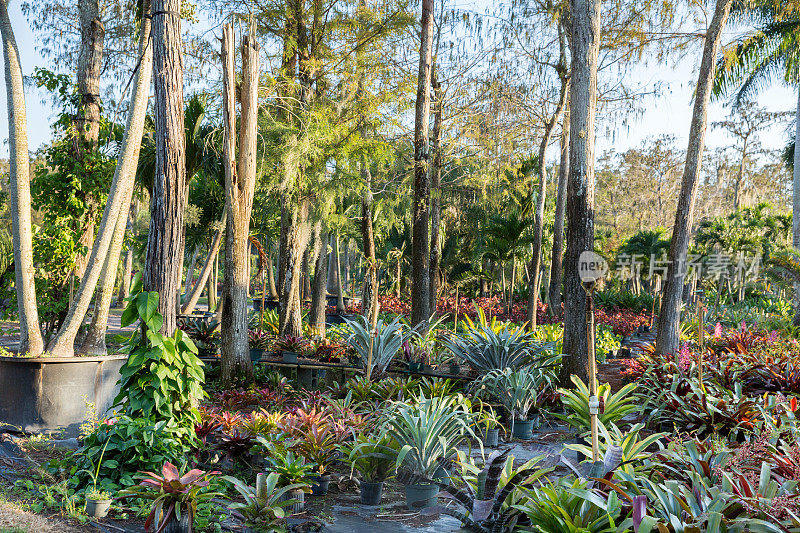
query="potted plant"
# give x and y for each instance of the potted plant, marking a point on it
(293, 471)
(290, 347)
(415, 357)
(318, 447)
(174, 497)
(98, 503)
(264, 505)
(373, 457)
(427, 432)
(386, 340)
(518, 391)
(259, 341)
(489, 424)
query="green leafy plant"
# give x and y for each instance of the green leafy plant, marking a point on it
(263, 509)
(428, 431)
(576, 403)
(292, 469)
(372, 456)
(486, 348)
(518, 391)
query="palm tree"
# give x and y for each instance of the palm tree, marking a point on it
(506, 236)
(772, 49)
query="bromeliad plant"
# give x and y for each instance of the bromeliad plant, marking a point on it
(386, 339)
(259, 339)
(487, 348)
(172, 495)
(576, 404)
(372, 455)
(428, 432)
(519, 391)
(262, 510)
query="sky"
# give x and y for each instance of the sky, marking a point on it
(667, 114)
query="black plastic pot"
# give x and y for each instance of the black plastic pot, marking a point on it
(371, 493)
(320, 487)
(491, 437)
(289, 357)
(523, 429)
(421, 495)
(50, 394)
(256, 354)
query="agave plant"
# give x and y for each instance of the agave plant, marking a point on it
(428, 432)
(486, 348)
(386, 340)
(263, 509)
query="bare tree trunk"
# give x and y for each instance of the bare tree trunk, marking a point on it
(30, 334)
(165, 240)
(585, 42)
(796, 206)
(667, 338)
(190, 304)
(187, 284)
(118, 200)
(307, 274)
(319, 299)
(337, 268)
(420, 248)
(293, 243)
(211, 288)
(240, 186)
(538, 226)
(273, 291)
(556, 269)
(436, 194)
(125, 282)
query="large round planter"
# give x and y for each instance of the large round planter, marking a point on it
(523, 429)
(320, 487)
(289, 357)
(371, 493)
(50, 394)
(256, 354)
(491, 437)
(98, 508)
(298, 506)
(420, 495)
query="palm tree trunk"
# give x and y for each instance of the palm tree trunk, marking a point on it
(30, 337)
(420, 248)
(667, 338)
(273, 291)
(240, 183)
(556, 266)
(119, 197)
(165, 239)
(585, 43)
(125, 282)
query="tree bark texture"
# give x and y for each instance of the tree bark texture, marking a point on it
(119, 199)
(240, 183)
(205, 273)
(585, 41)
(796, 206)
(319, 298)
(556, 265)
(420, 248)
(293, 243)
(165, 240)
(436, 194)
(667, 337)
(30, 338)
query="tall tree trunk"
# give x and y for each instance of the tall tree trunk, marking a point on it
(319, 298)
(293, 243)
(125, 282)
(369, 296)
(211, 288)
(307, 274)
(30, 334)
(436, 193)
(556, 269)
(240, 183)
(796, 205)
(667, 338)
(187, 284)
(538, 227)
(337, 269)
(273, 291)
(191, 302)
(420, 249)
(585, 41)
(119, 199)
(165, 240)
